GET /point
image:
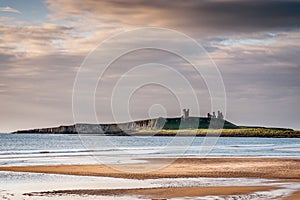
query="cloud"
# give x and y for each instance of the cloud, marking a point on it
(254, 43)
(263, 47)
(33, 40)
(205, 17)
(9, 9)
(34, 89)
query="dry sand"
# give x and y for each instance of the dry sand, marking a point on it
(285, 169)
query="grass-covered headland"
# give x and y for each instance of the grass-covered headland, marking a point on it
(237, 132)
(199, 126)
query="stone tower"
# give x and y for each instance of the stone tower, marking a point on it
(185, 113)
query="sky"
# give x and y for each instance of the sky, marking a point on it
(254, 43)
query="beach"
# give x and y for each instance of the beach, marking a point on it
(183, 167)
(277, 173)
(54, 167)
(150, 100)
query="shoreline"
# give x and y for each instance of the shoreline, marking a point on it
(239, 132)
(281, 170)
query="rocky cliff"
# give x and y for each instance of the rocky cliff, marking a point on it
(148, 124)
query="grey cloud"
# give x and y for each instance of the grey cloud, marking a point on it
(191, 15)
(147, 96)
(37, 90)
(261, 79)
(4, 57)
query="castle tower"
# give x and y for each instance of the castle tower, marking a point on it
(185, 113)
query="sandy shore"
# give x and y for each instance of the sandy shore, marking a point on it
(274, 168)
(163, 193)
(294, 196)
(182, 167)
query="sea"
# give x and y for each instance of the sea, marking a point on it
(56, 149)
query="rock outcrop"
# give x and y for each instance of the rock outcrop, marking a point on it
(147, 124)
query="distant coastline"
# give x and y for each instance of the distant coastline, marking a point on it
(178, 126)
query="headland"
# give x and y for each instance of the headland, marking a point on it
(184, 125)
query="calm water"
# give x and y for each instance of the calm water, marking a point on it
(38, 149)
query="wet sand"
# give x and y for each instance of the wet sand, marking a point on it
(163, 193)
(182, 167)
(294, 196)
(288, 170)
